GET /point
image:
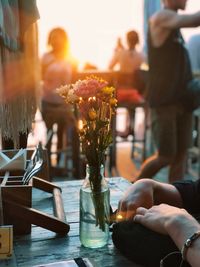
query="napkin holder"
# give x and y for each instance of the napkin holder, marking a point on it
(17, 200)
(18, 160)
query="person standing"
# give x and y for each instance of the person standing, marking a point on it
(169, 72)
(193, 46)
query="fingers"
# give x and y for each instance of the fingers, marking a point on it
(125, 215)
(125, 211)
(122, 209)
(128, 213)
(140, 212)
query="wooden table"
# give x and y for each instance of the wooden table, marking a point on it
(43, 246)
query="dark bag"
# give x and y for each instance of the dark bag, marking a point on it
(191, 96)
(143, 246)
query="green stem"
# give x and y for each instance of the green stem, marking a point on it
(95, 179)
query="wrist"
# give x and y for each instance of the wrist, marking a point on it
(175, 224)
(189, 243)
(181, 227)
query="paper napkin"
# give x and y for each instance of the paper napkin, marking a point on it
(16, 162)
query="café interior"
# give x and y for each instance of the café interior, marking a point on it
(40, 185)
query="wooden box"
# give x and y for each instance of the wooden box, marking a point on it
(16, 189)
(13, 194)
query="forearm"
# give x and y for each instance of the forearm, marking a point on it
(186, 20)
(169, 19)
(180, 228)
(166, 193)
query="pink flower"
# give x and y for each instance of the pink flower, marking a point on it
(89, 87)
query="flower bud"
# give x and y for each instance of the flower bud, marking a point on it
(92, 114)
(113, 101)
(108, 90)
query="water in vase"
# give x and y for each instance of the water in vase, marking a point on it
(91, 235)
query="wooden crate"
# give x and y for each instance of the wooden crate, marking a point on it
(13, 191)
(17, 206)
(16, 188)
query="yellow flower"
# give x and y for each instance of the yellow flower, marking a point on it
(108, 90)
(92, 114)
(113, 101)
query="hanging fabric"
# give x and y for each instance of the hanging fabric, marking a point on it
(19, 71)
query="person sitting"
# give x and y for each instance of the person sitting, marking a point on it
(57, 70)
(128, 60)
(166, 209)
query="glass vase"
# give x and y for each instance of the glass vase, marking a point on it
(94, 208)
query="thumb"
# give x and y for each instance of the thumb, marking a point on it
(138, 218)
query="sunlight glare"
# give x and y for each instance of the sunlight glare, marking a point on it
(93, 26)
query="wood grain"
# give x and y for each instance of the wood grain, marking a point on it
(44, 246)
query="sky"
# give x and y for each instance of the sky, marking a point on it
(93, 26)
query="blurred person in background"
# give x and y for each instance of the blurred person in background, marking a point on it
(193, 46)
(57, 69)
(169, 73)
(127, 59)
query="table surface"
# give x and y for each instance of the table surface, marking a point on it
(43, 246)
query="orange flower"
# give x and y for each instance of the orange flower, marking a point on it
(113, 102)
(92, 114)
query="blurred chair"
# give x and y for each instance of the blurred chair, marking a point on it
(129, 98)
(70, 159)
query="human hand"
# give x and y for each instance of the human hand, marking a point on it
(158, 218)
(140, 194)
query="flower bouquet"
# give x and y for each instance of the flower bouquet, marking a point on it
(94, 105)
